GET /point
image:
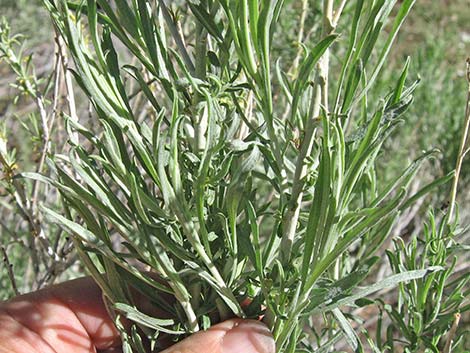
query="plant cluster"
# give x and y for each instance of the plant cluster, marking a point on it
(215, 178)
(23, 229)
(428, 307)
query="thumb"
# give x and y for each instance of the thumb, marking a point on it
(232, 336)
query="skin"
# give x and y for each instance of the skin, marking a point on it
(72, 318)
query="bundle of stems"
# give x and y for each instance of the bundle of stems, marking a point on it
(217, 172)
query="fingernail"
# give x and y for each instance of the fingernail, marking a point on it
(248, 336)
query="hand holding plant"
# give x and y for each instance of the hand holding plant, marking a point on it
(71, 317)
(228, 173)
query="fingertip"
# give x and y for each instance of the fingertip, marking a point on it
(231, 336)
(249, 336)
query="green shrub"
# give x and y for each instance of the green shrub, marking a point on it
(239, 168)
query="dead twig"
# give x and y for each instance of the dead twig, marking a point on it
(451, 335)
(9, 267)
(462, 150)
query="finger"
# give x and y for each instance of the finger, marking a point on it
(112, 350)
(70, 317)
(232, 336)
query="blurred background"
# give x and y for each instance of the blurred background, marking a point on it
(436, 36)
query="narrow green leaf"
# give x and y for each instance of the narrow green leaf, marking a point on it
(135, 315)
(256, 239)
(348, 330)
(391, 281)
(306, 68)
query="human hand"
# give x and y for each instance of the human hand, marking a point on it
(71, 318)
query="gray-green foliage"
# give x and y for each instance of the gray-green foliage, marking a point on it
(427, 307)
(25, 141)
(227, 172)
(27, 17)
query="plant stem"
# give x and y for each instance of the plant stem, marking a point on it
(10, 272)
(291, 216)
(452, 332)
(462, 150)
(45, 147)
(192, 234)
(295, 65)
(324, 64)
(337, 13)
(68, 85)
(200, 60)
(47, 123)
(180, 291)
